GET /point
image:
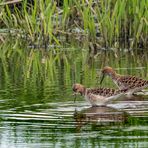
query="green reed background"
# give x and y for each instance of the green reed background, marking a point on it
(33, 38)
(65, 65)
(110, 23)
(44, 50)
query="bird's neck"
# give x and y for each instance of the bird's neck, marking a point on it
(115, 76)
(83, 91)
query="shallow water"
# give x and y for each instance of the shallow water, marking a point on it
(43, 114)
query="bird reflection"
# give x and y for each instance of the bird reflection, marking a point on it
(99, 115)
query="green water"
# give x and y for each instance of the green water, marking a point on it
(37, 107)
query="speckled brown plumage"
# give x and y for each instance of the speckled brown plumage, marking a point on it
(107, 92)
(131, 81)
(94, 95)
(127, 82)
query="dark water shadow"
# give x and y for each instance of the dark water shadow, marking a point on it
(100, 116)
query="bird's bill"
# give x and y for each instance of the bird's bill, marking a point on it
(74, 94)
(75, 99)
(102, 78)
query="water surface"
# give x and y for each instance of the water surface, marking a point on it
(39, 112)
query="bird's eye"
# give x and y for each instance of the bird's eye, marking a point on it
(74, 89)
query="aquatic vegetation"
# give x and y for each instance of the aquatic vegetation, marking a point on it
(41, 65)
(45, 47)
(109, 23)
(34, 36)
